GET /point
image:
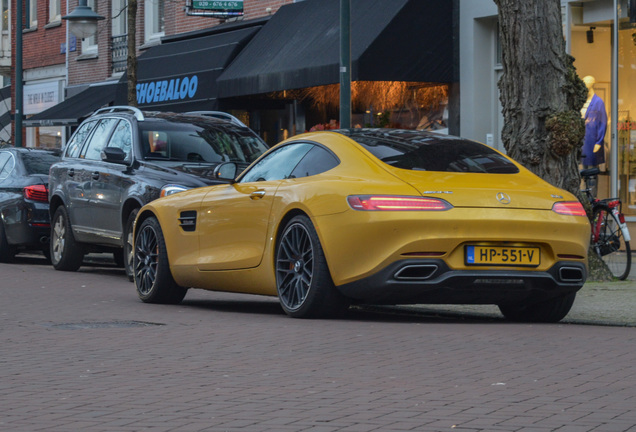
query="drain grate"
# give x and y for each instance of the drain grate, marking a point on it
(102, 325)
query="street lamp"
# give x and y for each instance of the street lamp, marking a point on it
(82, 22)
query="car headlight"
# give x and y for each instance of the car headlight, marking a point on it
(170, 189)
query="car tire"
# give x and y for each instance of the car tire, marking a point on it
(6, 252)
(549, 311)
(303, 282)
(66, 253)
(128, 244)
(153, 279)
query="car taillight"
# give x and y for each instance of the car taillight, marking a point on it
(36, 193)
(571, 208)
(396, 203)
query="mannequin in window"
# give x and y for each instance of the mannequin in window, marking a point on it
(595, 116)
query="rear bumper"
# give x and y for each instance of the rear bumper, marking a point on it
(28, 225)
(432, 281)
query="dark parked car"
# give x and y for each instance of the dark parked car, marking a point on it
(121, 158)
(24, 203)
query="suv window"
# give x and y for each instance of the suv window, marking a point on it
(99, 139)
(413, 151)
(75, 144)
(198, 142)
(122, 138)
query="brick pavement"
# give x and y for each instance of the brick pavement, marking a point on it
(79, 352)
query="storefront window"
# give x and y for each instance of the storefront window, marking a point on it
(592, 50)
(51, 136)
(627, 115)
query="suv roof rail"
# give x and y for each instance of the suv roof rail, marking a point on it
(218, 114)
(121, 108)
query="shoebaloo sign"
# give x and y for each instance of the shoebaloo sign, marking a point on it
(217, 7)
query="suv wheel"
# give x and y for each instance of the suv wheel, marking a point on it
(66, 254)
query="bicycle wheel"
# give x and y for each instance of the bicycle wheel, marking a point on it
(615, 253)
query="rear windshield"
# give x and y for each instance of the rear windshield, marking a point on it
(422, 151)
(199, 143)
(39, 162)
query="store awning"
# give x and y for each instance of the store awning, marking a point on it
(397, 40)
(73, 110)
(181, 75)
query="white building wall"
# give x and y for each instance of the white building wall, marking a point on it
(480, 110)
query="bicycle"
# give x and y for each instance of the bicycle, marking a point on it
(609, 230)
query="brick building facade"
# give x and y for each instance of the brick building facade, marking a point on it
(48, 70)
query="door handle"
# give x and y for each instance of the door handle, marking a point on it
(71, 172)
(96, 175)
(257, 194)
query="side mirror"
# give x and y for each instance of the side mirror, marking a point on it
(113, 154)
(226, 171)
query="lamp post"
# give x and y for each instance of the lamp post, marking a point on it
(82, 22)
(18, 76)
(345, 64)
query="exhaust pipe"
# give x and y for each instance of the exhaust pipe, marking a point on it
(416, 272)
(570, 274)
(44, 239)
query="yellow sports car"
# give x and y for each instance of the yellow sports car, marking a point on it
(377, 216)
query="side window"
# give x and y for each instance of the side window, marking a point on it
(122, 138)
(7, 162)
(99, 139)
(75, 144)
(277, 165)
(317, 161)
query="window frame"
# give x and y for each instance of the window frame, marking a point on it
(89, 45)
(55, 11)
(31, 15)
(153, 10)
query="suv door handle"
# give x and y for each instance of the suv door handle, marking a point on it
(96, 175)
(257, 194)
(71, 172)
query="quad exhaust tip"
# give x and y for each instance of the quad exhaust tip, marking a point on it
(416, 272)
(570, 274)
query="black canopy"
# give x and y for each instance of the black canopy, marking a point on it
(181, 75)
(396, 40)
(71, 111)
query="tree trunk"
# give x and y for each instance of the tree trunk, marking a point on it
(542, 96)
(131, 59)
(534, 88)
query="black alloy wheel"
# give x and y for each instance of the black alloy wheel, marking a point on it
(153, 279)
(304, 284)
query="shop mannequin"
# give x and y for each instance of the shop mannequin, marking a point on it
(595, 126)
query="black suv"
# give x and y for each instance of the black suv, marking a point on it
(121, 158)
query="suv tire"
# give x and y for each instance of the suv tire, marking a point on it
(66, 254)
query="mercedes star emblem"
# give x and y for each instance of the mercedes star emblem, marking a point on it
(503, 198)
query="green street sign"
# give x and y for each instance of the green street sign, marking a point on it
(220, 5)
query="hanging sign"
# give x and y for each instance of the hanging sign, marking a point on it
(219, 7)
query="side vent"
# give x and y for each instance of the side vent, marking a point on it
(188, 220)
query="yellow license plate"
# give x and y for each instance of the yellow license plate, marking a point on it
(503, 255)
